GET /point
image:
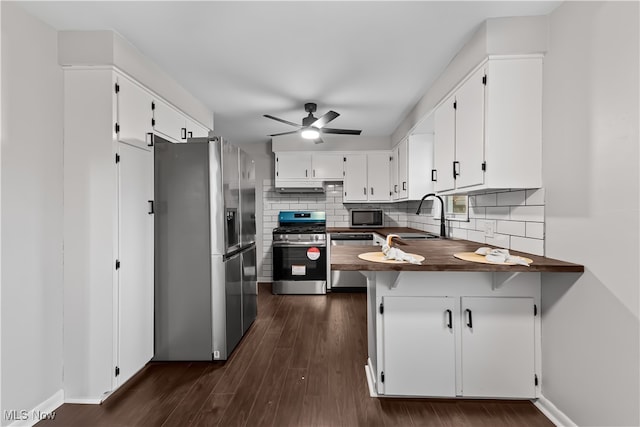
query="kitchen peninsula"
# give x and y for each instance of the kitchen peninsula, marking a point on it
(452, 328)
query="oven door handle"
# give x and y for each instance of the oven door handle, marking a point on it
(300, 244)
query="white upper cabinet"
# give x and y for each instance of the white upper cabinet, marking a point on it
(366, 177)
(311, 166)
(327, 166)
(134, 113)
(293, 165)
(488, 132)
(174, 125)
(413, 160)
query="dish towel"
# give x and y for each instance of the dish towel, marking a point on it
(397, 254)
(501, 255)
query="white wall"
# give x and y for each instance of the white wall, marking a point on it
(31, 212)
(590, 328)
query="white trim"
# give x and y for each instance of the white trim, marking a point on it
(45, 409)
(370, 383)
(84, 401)
(555, 415)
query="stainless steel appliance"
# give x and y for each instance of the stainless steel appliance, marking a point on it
(300, 253)
(366, 218)
(349, 280)
(205, 255)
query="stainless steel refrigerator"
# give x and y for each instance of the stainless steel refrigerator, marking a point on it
(205, 255)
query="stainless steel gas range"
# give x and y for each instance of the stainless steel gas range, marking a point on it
(300, 253)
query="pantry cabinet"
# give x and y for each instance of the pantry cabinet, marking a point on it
(366, 177)
(488, 131)
(108, 231)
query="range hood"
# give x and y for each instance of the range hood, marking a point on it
(299, 186)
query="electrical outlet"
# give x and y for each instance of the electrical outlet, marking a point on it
(216, 354)
(489, 228)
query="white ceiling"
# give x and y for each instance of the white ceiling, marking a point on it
(369, 61)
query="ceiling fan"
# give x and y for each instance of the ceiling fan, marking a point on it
(312, 127)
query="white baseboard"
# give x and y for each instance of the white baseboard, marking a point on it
(84, 401)
(554, 414)
(370, 379)
(45, 410)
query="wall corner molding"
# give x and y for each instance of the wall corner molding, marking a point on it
(555, 415)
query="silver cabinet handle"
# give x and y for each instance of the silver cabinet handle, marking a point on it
(372, 191)
(364, 189)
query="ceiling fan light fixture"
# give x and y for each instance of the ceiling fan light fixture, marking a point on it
(310, 133)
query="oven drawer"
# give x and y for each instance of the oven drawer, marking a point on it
(299, 262)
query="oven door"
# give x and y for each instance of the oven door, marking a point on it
(299, 268)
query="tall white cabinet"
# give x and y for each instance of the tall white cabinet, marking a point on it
(108, 231)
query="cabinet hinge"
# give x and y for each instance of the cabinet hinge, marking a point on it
(117, 87)
(382, 376)
(345, 194)
(153, 105)
(535, 310)
(117, 128)
(276, 173)
(381, 308)
(117, 371)
(117, 264)
(153, 122)
(484, 166)
(484, 80)
(455, 105)
(344, 159)
(117, 158)
(535, 379)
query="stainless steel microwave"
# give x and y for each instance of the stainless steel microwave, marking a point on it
(366, 218)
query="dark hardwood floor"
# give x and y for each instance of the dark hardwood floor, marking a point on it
(301, 364)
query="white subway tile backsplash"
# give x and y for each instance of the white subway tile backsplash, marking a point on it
(524, 244)
(516, 217)
(535, 196)
(512, 198)
(535, 230)
(528, 213)
(475, 236)
(486, 199)
(514, 228)
(497, 212)
(500, 240)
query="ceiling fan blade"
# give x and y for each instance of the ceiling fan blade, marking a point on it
(324, 119)
(318, 140)
(281, 120)
(285, 133)
(341, 131)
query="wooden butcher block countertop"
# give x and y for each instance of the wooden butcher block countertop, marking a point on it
(438, 254)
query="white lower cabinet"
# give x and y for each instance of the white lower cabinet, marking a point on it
(419, 346)
(458, 346)
(498, 347)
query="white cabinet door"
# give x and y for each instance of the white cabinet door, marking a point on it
(169, 121)
(444, 145)
(419, 346)
(498, 347)
(135, 284)
(419, 166)
(134, 113)
(403, 171)
(355, 178)
(470, 131)
(194, 130)
(394, 193)
(327, 166)
(378, 177)
(293, 165)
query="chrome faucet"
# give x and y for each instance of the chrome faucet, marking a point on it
(442, 230)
